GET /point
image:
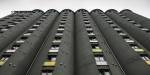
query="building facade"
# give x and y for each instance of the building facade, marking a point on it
(74, 43)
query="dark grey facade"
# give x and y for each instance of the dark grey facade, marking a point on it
(74, 43)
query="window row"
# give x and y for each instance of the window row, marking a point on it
(50, 62)
(97, 51)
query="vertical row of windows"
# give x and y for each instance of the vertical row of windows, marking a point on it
(50, 62)
(97, 51)
(136, 24)
(16, 44)
(131, 42)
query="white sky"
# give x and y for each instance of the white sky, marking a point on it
(138, 6)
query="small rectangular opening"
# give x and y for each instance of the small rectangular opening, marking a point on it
(87, 22)
(89, 29)
(63, 20)
(93, 41)
(88, 26)
(47, 72)
(64, 16)
(129, 40)
(60, 31)
(94, 45)
(100, 60)
(122, 34)
(29, 31)
(3, 30)
(104, 72)
(3, 60)
(24, 37)
(92, 37)
(27, 34)
(117, 29)
(132, 44)
(20, 41)
(146, 59)
(38, 23)
(32, 29)
(62, 23)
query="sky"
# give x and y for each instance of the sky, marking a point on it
(139, 6)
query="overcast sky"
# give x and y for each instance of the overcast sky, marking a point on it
(138, 6)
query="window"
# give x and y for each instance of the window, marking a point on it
(20, 41)
(56, 41)
(138, 25)
(11, 25)
(16, 22)
(3, 60)
(104, 72)
(49, 63)
(117, 29)
(32, 29)
(36, 25)
(89, 29)
(87, 22)
(93, 41)
(54, 48)
(137, 49)
(100, 60)
(125, 37)
(11, 50)
(27, 34)
(59, 34)
(63, 20)
(4, 29)
(128, 19)
(134, 23)
(91, 34)
(109, 21)
(64, 17)
(88, 26)
(60, 29)
(96, 49)
(113, 25)
(92, 37)
(144, 29)
(58, 37)
(85, 17)
(122, 34)
(146, 59)
(131, 21)
(24, 37)
(62, 26)
(129, 40)
(46, 73)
